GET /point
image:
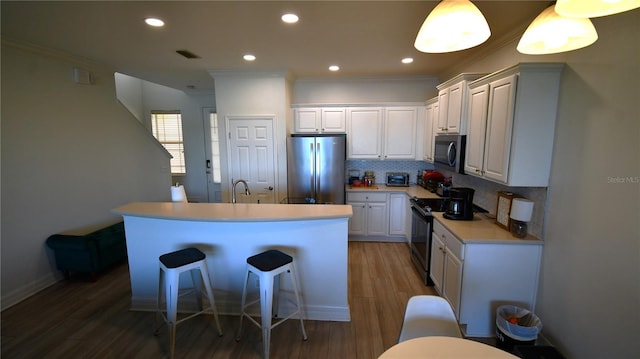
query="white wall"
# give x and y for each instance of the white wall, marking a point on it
(129, 92)
(145, 97)
(158, 97)
(364, 90)
(589, 293)
(70, 153)
(254, 94)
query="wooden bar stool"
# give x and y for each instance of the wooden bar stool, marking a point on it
(267, 266)
(171, 266)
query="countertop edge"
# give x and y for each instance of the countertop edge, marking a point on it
(227, 212)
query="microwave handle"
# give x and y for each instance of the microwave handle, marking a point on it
(451, 151)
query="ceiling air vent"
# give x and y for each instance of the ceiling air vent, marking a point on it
(188, 54)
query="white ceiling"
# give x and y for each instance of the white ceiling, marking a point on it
(365, 38)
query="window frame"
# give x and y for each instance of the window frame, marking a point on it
(173, 142)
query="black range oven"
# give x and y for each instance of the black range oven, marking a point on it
(421, 232)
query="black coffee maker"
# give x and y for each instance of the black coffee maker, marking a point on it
(460, 204)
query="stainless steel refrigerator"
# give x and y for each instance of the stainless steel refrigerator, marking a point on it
(315, 169)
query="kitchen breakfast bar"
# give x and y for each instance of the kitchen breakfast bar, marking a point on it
(316, 236)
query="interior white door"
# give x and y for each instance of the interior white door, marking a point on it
(212, 154)
(251, 157)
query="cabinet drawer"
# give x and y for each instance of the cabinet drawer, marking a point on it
(454, 246)
(366, 197)
(452, 243)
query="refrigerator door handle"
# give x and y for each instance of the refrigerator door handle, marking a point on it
(318, 172)
(312, 165)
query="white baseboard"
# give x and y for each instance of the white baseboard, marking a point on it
(10, 299)
(226, 307)
(360, 238)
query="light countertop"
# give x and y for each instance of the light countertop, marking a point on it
(239, 212)
(412, 191)
(480, 230)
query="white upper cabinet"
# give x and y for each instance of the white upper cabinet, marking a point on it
(333, 120)
(430, 119)
(319, 120)
(512, 116)
(364, 132)
(400, 133)
(478, 102)
(497, 144)
(382, 132)
(452, 101)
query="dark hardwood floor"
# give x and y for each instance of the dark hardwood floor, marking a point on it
(80, 319)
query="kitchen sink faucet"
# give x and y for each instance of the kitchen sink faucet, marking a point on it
(233, 190)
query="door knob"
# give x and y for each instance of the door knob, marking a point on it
(270, 188)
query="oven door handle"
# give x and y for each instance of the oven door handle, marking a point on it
(416, 211)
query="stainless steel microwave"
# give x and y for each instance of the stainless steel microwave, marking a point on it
(449, 152)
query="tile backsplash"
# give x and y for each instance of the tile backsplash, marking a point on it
(486, 192)
(486, 196)
(380, 168)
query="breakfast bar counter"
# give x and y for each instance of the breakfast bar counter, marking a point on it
(234, 212)
(316, 236)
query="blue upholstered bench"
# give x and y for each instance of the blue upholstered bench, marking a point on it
(89, 253)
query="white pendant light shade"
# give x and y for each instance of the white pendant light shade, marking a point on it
(594, 8)
(551, 33)
(453, 25)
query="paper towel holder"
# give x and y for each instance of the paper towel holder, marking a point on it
(178, 194)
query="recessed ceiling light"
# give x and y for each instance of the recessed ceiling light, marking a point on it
(155, 22)
(290, 18)
(407, 60)
(334, 68)
(249, 57)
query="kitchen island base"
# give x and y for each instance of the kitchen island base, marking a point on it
(319, 246)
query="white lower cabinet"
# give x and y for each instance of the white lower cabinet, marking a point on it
(477, 276)
(379, 215)
(370, 216)
(446, 265)
(397, 214)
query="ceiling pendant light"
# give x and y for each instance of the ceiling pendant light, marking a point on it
(594, 8)
(551, 33)
(453, 25)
